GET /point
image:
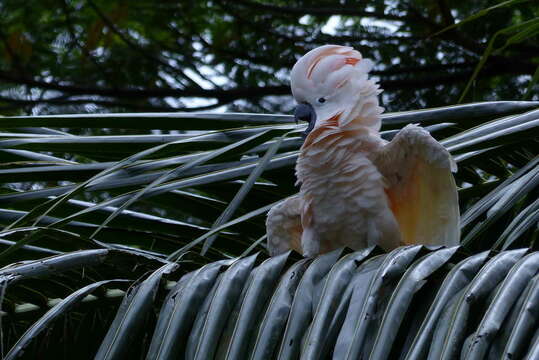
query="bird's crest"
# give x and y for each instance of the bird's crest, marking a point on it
(329, 66)
(334, 81)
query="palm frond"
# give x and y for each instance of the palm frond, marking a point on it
(177, 186)
(414, 303)
(162, 210)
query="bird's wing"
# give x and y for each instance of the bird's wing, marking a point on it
(420, 187)
(283, 226)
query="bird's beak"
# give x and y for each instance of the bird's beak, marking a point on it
(305, 112)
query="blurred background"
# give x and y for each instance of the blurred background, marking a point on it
(77, 56)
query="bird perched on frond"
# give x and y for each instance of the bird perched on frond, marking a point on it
(356, 189)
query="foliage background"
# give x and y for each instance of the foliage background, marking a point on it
(68, 56)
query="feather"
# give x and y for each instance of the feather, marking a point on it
(356, 189)
(421, 188)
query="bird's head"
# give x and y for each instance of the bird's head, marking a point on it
(331, 87)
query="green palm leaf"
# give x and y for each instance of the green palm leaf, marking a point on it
(118, 206)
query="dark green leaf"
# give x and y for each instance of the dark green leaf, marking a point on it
(60, 309)
(131, 316)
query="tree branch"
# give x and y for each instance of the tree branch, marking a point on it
(225, 95)
(317, 11)
(453, 35)
(133, 46)
(17, 103)
(87, 54)
(396, 70)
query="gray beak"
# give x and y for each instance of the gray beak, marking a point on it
(305, 112)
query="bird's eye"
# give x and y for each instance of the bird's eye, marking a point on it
(321, 100)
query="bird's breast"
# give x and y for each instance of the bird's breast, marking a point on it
(343, 195)
(337, 174)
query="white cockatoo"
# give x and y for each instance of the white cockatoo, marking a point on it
(357, 189)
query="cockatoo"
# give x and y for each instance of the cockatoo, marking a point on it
(356, 189)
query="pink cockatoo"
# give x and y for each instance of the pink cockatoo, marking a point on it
(357, 189)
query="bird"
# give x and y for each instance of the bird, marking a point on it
(356, 189)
